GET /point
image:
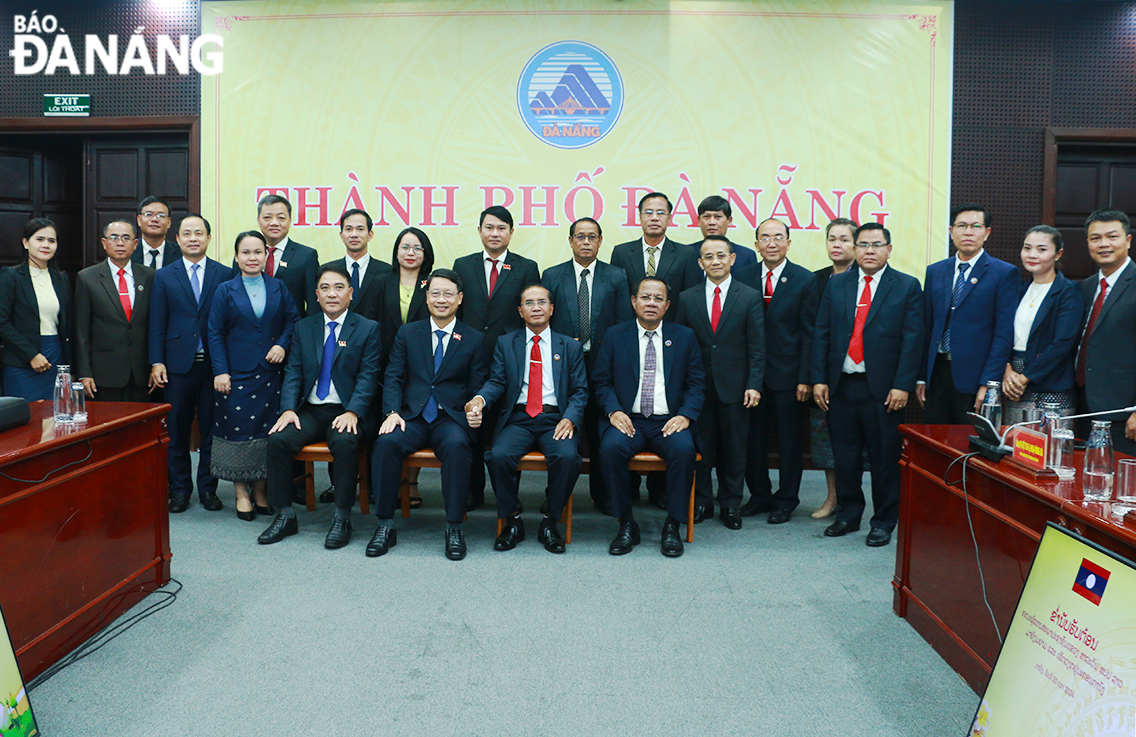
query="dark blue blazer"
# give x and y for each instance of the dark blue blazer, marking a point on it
(611, 299)
(790, 320)
(677, 265)
(177, 321)
(982, 327)
(1053, 336)
(511, 365)
(746, 255)
(354, 365)
(410, 377)
(297, 268)
(617, 371)
(893, 332)
(19, 315)
(238, 340)
(494, 316)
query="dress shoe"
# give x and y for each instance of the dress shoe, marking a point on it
(754, 507)
(779, 516)
(179, 503)
(455, 544)
(840, 528)
(267, 511)
(703, 513)
(475, 500)
(671, 545)
(327, 496)
(385, 538)
(512, 532)
(878, 537)
(626, 539)
(211, 502)
(280, 528)
(658, 498)
(731, 519)
(549, 535)
(248, 516)
(339, 534)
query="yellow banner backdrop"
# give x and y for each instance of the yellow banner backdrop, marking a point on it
(424, 113)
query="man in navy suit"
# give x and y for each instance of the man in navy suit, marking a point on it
(649, 382)
(969, 307)
(329, 383)
(179, 357)
(435, 368)
(789, 295)
(592, 296)
(869, 335)
(292, 263)
(154, 223)
(539, 382)
(716, 217)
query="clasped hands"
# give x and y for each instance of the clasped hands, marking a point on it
(474, 416)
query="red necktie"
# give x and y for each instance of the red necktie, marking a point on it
(768, 287)
(716, 309)
(536, 394)
(270, 265)
(492, 276)
(124, 293)
(1083, 353)
(856, 345)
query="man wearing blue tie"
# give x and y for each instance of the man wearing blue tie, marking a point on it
(179, 358)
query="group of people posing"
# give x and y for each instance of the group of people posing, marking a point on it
(699, 353)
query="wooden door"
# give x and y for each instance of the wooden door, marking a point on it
(41, 176)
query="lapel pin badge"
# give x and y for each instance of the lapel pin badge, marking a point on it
(555, 356)
(140, 287)
(283, 264)
(506, 267)
(973, 280)
(342, 344)
(423, 283)
(457, 337)
(666, 342)
(784, 279)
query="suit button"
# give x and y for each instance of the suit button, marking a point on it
(713, 346)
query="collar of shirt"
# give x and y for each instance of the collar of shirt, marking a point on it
(500, 259)
(973, 262)
(114, 269)
(590, 267)
(643, 332)
(160, 248)
(777, 271)
(280, 247)
(200, 271)
(338, 321)
(1115, 275)
(545, 336)
(363, 262)
(725, 287)
(662, 243)
(449, 329)
(875, 277)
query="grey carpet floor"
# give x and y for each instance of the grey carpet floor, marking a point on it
(769, 630)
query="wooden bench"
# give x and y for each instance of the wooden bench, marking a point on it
(309, 454)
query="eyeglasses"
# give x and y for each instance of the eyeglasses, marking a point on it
(772, 239)
(969, 226)
(530, 303)
(411, 249)
(435, 293)
(154, 215)
(118, 238)
(586, 237)
(872, 246)
(657, 299)
(712, 257)
(660, 213)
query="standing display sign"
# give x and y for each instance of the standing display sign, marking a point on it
(16, 718)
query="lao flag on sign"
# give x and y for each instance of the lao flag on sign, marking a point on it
(1090, 581)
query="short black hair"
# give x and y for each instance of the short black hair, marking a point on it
(133, 227)
(716, 203)
(1109, 216)
(572, 227)
(527, 287)
(355, 211)
(151, 200)
(846, 222)
(449, 274)
(273, 199)
(772, 220)
(644, 280)
(971, 207)
(427, 250)
(1053, 233)
(199, 216)
(249, 234)
(652, 195)
(334, 267)
(722, 238)
(872, 226)
(498, 212)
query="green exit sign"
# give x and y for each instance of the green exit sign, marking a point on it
(67, 106)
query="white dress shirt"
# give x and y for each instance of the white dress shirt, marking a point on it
(850, 366)
(488, 265)
(129, 278)
(777, 271)
(548, 391)
(1027, 311)
(363, 262)
(660, 387)
(332, 395)
(146, 248)
(647, 256)
(590, 280)
(449, 331)
(710, 286)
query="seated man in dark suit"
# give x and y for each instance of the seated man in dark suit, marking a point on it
(330, 381)
(716, 217)
(436, 366)
(866, 354)
(539, 380)
(650, 407)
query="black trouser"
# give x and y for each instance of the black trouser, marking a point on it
(315, 425)
(723, 432)
(676, 449)
(189, 394)
(945, 404)
(778, 409)
(520, 435)
(130, 393)
(451, 444)
(857, 420)
(594, 420)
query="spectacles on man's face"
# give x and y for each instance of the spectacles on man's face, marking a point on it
(436, 293)
(586, 238)
(710, 258)
(154, 215)
(119, 238)
(410, 249)
(656, 298)
(651, 213)
(772, 239)
(531, 303)
(969, 226)
(872, 246)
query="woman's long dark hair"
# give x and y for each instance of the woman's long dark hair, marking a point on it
(34, 226)
(427, 251)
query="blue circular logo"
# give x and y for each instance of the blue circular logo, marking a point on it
(570, 94)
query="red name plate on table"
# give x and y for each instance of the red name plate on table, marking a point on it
(1030, 448)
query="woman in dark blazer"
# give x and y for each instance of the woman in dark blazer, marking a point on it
(1046, 326)
(250, 329)
(35, 311)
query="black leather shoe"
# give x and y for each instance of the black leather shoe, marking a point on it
(840, 528)
(211, 502)
(179, 503)
(455, 544)
(280, 528)
(549, 535)
(339, 534)
(475, 500)
(327, 496)
(703, 513)
(512, 532)
(779, 516)
(626, 539)
(878, 537)
(671, 545)
(754, 507)
(731, 519)
(385, 538)
(248, 516)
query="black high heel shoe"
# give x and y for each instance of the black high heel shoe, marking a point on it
(248, 516)
(267, 511)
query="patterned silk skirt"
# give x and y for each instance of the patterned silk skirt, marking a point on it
(240, 429)
(1012, 411)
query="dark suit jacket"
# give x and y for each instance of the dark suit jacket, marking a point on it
(511, 366)
(618, 371)
(497, 315)
(108, 348)
(1050, 354)
(790, 318)
(677, 265)
(823, 275)
(1110, 366)
(19, 315)
(893, 332)
(297, 268)
(410, 375)
(238, 340)
(982, 326)
(611, 300)
(141, 254)
(354, 367)
(177, 321)
(733, 357)
(376, 270)
(382, 305)
(746, 255)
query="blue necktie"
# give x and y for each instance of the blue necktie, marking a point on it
(430, 411)
(195, 282)
(355, 276)
(959, 284)
(323, 386)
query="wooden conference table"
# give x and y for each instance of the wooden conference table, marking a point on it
(937, 584)
(92, 539)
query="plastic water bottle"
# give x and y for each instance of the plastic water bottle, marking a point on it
(1100, 464)
(61, 399)
(992, 404)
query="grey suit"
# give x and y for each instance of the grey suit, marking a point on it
(109, 348)
(1110, 364)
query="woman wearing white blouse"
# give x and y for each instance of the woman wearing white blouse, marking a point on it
(1046, 327)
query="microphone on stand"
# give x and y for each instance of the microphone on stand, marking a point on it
(993, 446)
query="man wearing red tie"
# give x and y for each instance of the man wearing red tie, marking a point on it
(866, 356)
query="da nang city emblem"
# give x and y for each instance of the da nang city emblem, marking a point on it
(570, 94)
